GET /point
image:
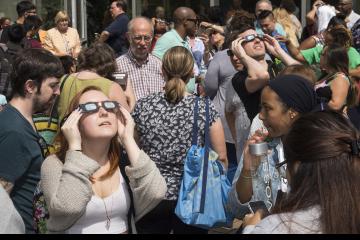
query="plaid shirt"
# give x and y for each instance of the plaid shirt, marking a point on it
(146, 78)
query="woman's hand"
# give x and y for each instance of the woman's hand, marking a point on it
(237, 48)
(317, 4)
(251, 162)
(126, 126)
(283, 39)
(70, 129)
(206, 40)
(252, 219)
(206, 24)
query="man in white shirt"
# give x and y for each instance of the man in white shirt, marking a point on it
(346, 7)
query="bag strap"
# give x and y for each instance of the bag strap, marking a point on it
(206, 157)
(195, 126)
(56, 102)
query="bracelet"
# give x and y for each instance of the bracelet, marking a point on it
(245, 177)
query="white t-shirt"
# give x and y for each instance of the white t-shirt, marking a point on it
(324, 15)
(94, 219)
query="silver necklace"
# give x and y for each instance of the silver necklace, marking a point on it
(108, 216)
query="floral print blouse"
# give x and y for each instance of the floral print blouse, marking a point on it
(165, 133)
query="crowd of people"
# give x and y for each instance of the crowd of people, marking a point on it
(93, 138)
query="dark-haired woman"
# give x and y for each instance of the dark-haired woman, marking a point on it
(323, 164)
(164, 124)
(319, 39)
(336, 90)
(261, 178)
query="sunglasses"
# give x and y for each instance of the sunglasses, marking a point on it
(230, 53)
(93, 107)
(250, 38)
(196, 21)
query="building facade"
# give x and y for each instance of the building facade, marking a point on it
(47, 10)
(89, 16)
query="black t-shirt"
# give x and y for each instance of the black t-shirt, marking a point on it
(251, 100)
(20, 160)
(117, 39)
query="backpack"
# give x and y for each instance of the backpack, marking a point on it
(355, 30)
(5, 70)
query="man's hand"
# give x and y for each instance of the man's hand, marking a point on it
(238, 49)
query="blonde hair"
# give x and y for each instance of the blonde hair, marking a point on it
(61, 15)
(177, 65)
(283, 17)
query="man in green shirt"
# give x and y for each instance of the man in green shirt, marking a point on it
(186, 24)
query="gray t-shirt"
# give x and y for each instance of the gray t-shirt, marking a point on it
(218, 75)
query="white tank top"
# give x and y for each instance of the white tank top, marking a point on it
(94, 219)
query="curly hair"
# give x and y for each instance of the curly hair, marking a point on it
(340, 35)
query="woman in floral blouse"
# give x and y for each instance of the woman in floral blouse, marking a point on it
(164, 123)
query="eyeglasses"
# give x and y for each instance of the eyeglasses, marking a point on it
(250, 38)
(230, 53)
(92, 107)
(195, 20)
(145, 38)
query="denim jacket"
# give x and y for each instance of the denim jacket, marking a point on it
(238, 209)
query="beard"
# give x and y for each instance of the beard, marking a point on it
(42, 107)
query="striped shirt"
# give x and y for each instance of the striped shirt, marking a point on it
(145, 78)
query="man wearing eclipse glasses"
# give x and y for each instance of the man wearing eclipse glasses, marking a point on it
(250, 48)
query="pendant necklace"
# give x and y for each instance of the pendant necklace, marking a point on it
(108, 216)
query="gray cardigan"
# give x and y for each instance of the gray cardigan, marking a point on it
(67, 188)
(10, 220)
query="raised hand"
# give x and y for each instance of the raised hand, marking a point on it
(237, 48)
(205, 24)
(70, 129)
(252, 219)
(317, 4)
(251, 162)
(272, 45)
(205, 39)
(126, 126)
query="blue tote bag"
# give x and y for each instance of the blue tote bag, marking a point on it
(204, 187)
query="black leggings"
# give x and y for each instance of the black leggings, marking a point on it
(163, 220)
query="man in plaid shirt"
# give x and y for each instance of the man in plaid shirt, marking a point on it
(143, 69)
